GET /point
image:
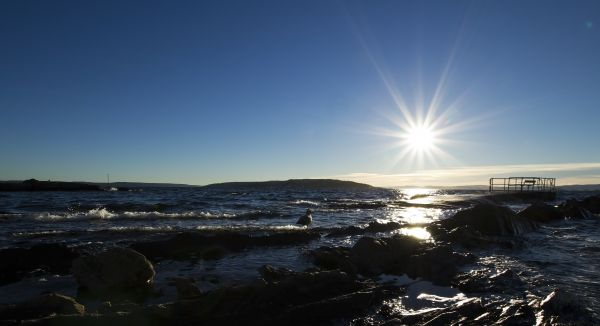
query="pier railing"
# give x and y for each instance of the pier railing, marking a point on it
(523, 184)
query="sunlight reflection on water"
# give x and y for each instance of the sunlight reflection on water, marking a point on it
(417, 232)
(414, 215)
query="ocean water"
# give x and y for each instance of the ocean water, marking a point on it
(565, 254)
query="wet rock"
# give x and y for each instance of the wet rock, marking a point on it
(114, 271)
(542, 213)
(517, 312)
(296, 299)
(371, 256)
(333, 258)
(272, 274)
(438, 264)
(483, 281)
(43, 306)
(575, 209)
(488, 220)
(186, 287)
(347, 231)
(406, 255)
(373, 227)
(119, 307)
(192, 244)
(563, 307)
(16, 263)
(592, 204)
(464, 312)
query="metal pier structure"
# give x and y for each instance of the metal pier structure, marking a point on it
(523, 184)
(524, 188)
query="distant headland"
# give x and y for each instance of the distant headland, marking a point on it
(37, 185)
(293, 184)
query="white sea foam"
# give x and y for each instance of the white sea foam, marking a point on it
(103, 213)
(251, 228)
(305, 202)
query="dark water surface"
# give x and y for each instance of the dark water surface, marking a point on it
(564, 254)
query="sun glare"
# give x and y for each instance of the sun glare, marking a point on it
(420, 138)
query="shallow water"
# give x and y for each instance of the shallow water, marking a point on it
(563, 255)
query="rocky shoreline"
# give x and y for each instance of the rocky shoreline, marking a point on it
(345, 284)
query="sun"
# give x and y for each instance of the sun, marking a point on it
(420, 138)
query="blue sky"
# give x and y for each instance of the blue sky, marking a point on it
(209, 91)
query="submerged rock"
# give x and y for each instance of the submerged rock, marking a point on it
(543, 213)
(592, 204)
(573, 208)
(373, 227)
(195, 245)
(15, 263)
(42, 306)
(114, 271)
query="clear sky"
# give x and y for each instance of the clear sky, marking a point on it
(209, 91)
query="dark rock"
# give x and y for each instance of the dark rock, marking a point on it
(592, 204)
(464, 312)
(50, 258)
(561, 307)
(119, 307)
(543, 213)
(192, 244)
(575, 209)
(297, 299)
(43, 306)
(482, 281)
(114, 271)
(186, 287)
(489, 220)
(333, 258)
(517, 312)
(371, 256)
(373, 227)
(347, 231)
(438, 264)
(272, 274)
(404, 254)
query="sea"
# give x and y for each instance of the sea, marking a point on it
(564, 254)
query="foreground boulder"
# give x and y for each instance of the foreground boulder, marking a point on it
(45, 305)
(114, 271)
(488, 220)
(47, 257)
